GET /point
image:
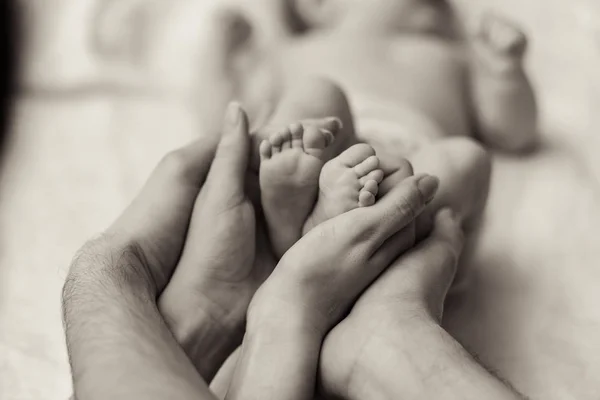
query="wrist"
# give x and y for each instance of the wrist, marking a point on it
(427, 363)
(282, 340)
(359, 353)
(119, 346)
(207, 336)
(270, 313)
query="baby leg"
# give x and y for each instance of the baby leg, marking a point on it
(464, 169)
(291, 157)
(314, 285)
(505, 105)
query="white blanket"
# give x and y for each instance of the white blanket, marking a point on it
(533, 313)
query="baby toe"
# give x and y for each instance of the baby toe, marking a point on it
(371, 187)
(333, 124)
(297, 132)
(315, 140)
(367, 166)
(503, 35)
(276, 141)
(368, 194)
(330, 124)
(376, 176)
(366, 199)
(265, 149)
(286, 137)
(356, 155)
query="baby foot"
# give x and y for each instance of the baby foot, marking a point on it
(501, 44)
(291, 161)
(348, 181)
(309, 101)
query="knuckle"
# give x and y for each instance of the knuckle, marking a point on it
(406, 206)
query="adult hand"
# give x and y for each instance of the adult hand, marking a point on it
(391, 345)
(410, 293)
(166, 226)
(225, 259)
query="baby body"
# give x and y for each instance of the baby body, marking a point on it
(398, 103)
(405, 85)
(419, 70)
(401, 76)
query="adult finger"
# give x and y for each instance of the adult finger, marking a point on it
(428, 270)
(168, 196)
(227, 174)
(405, 238)
(396, 210)
(396, 245)
(156, 222)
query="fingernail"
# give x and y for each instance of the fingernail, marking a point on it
(233, 113)
(428, 186)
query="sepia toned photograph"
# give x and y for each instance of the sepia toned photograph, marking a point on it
(300, 199)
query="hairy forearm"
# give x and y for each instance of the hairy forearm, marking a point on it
(422, 361)
(119, 346)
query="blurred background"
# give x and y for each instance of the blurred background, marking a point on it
(79, 139)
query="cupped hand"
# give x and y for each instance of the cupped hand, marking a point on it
(189, 240)
(218, 272)
(408, 295)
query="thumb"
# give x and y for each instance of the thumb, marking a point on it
(228, 171)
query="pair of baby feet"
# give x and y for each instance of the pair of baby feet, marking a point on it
(301, 187)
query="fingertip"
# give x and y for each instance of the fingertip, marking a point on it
(236, 119)
(427, 186)
(233, 152)
(296, 130)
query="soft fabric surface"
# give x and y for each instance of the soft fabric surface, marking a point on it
(74, 161)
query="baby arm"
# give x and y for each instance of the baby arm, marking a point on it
(505, 108)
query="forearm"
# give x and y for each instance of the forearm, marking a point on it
(422, 361)
(279, 356)
(119, 346)
(506, 111)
